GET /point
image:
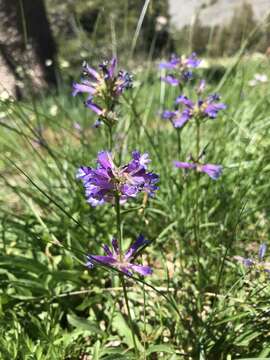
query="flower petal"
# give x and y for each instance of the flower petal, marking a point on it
(105, 160)
(185, 101)
(169, 79)
(112, 67)
(139, 242)
(142, 270)
(262, 251)
(82, 88)
(180, 122)
(184, 165)
(94, 107)
(214, 171)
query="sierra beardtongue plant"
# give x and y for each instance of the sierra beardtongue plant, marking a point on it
(258, 265)
(180, 69)
(214, 171)
(109, 181)
(123, 264)
(199, 110)
(103, 89)
(202, 109)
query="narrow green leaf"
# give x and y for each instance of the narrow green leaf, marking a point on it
(84, 324)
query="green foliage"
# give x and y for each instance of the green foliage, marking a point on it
(92, 29)
(53, 308)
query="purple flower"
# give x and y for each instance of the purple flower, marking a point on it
(214, 171)
(208, 108)
(177, 118)
(181, 63)
(192, 61)
(94, 107)
(173, 63)
(122, 263)
(259, 264)
(181, 67)
(102, 87)
(107, 181)
(170, 79)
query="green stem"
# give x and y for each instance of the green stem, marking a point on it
(198, 135)
(196, 213)
(129, 316)
(119, 235)
(144, 322)
(118, 224)
(110, 138)
(179, 145)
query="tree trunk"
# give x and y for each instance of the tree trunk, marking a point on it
(27, 48)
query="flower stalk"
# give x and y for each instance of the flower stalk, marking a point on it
(122, 278)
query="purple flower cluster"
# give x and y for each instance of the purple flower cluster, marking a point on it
(214, 171)
(103, 88)
(258, 265)
(109, 181)
(208, 108)
(181, 68)
(124, 262)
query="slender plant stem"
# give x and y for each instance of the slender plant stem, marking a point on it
(129, 315)
(179, 143)
(110, 140)
(119, 235)
(144, 321)
(118, 224)
(196, 217)
(196, 211)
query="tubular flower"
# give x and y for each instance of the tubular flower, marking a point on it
(102, 87)
(181, 67)
(108, 181)
(177, 118)
(258, 265)
(208, 108)
(214, 171)
(122, 263)
(181, 62)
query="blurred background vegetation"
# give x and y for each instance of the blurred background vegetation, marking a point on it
(39, 39)
(51, 307)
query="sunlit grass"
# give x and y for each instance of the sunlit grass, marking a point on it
(53, 308)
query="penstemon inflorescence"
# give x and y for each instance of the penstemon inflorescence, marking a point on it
(123, 263)
(179, 68)
(108, 181)
(192, 111)
(112, 183)
(258, 265)
(103, 87)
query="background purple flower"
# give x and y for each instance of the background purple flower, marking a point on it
(192, 61)
(170, 79)
(203, 108)
(122, 263)
(181, 62)
(177, 118)
(107, 181)
(180, 66)
(173, 63)
(259, 264)
(214, 171)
